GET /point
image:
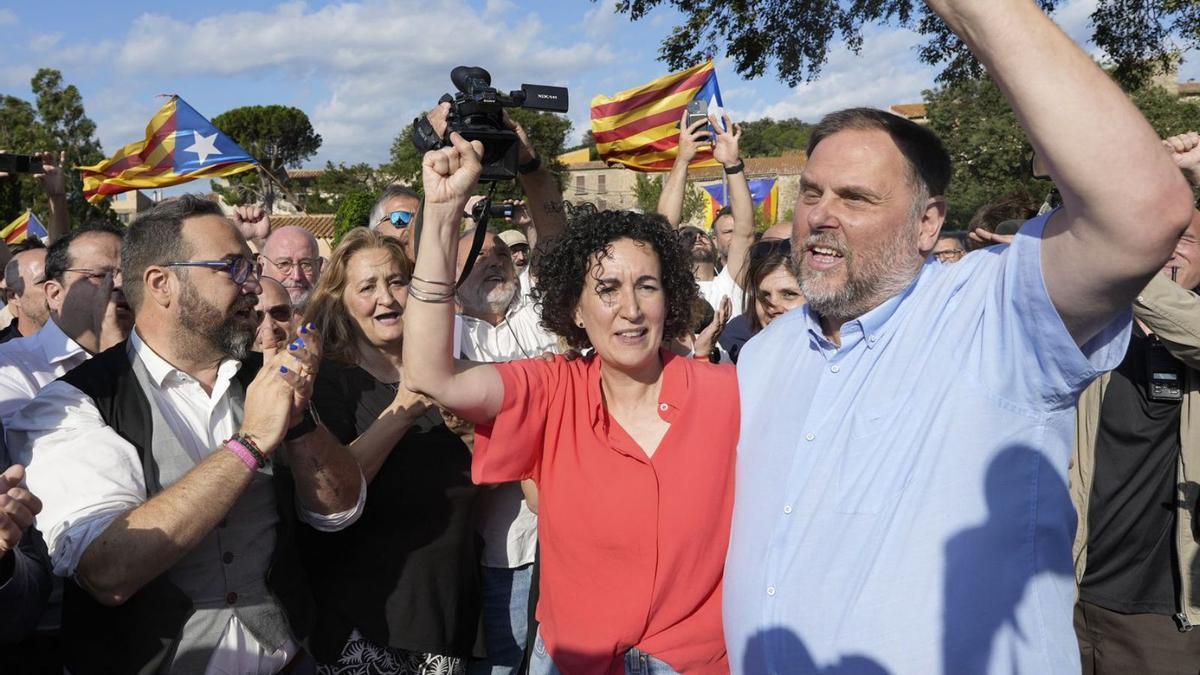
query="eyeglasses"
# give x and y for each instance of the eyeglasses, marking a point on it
(280, 313)
(399, 218)
(762, 249)
(949, 255)
(285, 266)
(239, 269)
(96, 274)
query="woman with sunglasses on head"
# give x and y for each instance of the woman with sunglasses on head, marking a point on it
(634, 472)
(398, 591)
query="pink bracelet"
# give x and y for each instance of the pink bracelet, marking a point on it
(243, 453)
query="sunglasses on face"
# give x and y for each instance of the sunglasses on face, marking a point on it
(280, 313)
(399, 218)
(763, 249)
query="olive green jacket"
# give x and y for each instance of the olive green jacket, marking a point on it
(1173, 314)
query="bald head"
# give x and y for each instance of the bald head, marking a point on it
(291, 257)
(274, 311)
(778, 231)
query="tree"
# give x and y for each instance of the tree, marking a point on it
(990, 151)
(55, 122)
(646, 190)
(337, 182)
(770, 138)
(547, 131)
(1141, 36)
(279, 137)
(589, 142)
(353, 211)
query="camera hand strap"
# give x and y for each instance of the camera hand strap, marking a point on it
(483, 209)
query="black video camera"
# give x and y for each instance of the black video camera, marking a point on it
(20, 163)
(477, 114)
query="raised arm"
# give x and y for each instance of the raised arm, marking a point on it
(1124, 202)
(725, 151)
(472, 391)
(670, 201)
(53, 179)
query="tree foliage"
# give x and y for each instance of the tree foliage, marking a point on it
(337, 182)
(56, 121)
(279, 137)
(647, 190)
(770, 138)
(795, 36)
(353, 211)
(990, 150)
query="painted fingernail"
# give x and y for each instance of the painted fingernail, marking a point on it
(292, 347)
(300, 342)
(283, 369)
(304, 328)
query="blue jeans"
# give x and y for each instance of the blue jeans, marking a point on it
(637, 662)
(505, 620)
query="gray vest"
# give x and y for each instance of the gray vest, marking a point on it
(225, 575)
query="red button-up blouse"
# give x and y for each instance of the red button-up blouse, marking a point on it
(633, 548)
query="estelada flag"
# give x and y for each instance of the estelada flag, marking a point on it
(764, 194)
(180, 145)
(639, 127)
(25, 225)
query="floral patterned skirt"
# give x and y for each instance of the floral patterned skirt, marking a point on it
(360, 657)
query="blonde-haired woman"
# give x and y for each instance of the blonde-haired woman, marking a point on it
(397, 592)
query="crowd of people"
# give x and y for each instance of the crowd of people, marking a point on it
(853, 443)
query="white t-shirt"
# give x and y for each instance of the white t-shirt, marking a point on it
(722, 285)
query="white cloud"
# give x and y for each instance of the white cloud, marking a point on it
(886, 72)
(383, 61)
(44, 42)
(7, 17)
(602, 19)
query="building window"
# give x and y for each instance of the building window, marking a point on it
(579, 185)
(601, 187)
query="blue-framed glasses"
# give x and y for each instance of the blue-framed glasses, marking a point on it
(239, 269)
(400, 218)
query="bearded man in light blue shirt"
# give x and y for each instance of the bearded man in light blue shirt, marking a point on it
(901, 482)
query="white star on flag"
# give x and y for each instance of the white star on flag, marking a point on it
(716, 112)
(203, 146)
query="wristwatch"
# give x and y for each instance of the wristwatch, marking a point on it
(424, 137)
(736, 168)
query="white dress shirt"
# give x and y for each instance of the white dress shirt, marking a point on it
(87, 475)
(27, 364)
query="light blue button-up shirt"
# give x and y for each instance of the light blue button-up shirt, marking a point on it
(902, 500)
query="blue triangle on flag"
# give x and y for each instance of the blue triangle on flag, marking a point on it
(200, 145)
(34, 228)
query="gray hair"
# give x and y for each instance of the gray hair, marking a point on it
(390, 192)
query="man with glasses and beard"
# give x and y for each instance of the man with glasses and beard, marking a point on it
(170, 506)
(891, 510)
(291, 257)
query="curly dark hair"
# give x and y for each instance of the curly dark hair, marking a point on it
(561, 268)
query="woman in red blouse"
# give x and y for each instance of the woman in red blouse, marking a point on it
(632, 448)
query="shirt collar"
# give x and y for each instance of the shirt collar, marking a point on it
(55, 344)
(160, 369)
(871, 327)
(671, 396)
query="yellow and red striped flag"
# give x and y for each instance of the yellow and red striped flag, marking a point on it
(25, 225)
(639, 127)
(180, 145)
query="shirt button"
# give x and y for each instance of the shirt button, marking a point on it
(873, 338)
(663, 407)
(834, 369)
(770, 590)
(809, 436)
(227, 558)
(787, 508)
(231, 598)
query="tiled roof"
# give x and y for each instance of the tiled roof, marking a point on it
(304, 173)
(909, 110)
(321, 225)
(789, 164)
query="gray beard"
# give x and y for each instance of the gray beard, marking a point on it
(495, 302)
(870, 281)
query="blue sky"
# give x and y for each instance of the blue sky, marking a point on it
(362, 70)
